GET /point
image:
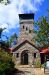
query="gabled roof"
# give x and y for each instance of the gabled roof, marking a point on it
(21, 44)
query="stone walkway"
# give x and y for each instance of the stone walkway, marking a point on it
(26, 70)
(30, 70)
(40, 71)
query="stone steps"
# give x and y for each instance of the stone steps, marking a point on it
(27, 70)
(23, 66)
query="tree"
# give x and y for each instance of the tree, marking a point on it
(1, 0)
(6, 64)
(3, 44)
(13, 39)
(5, 2)
(1, 30)
(42, 34)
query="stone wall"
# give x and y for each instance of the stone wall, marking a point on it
(26, 34)
(31, 51)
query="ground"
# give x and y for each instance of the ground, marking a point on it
(40, 71)
(28, 70)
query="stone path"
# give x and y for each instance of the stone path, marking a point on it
(24, 70)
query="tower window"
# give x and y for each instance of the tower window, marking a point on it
(23, 27)
(34, 55)
(26, 28)
(29, 31)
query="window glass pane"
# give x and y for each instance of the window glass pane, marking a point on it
(23, 27)
(34, 55)
(29, 31)
(17, 55)
(26, 28)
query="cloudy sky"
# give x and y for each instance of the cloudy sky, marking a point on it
(9, 13)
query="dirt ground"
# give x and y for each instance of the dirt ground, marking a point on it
(31, 70)
(40, 71)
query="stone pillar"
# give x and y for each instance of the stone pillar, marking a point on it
(30, 59)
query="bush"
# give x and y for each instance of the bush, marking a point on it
(6, 64)
(37, 63)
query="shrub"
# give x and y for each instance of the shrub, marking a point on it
(37, 63)
(6, 64)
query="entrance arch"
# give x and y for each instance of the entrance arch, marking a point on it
(24, 57)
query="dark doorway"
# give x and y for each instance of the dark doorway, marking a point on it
(24, 58)
(42, 58)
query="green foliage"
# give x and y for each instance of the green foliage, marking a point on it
(1, 30)
(14, 36)
(5, 68)
(5, 2)
(6, 64)
(1, 0)
(37, 63)
(3, 44)
(4, 56)
(42, 34)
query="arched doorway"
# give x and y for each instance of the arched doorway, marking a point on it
(24, 58)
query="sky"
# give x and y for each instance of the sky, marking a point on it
(9, 14)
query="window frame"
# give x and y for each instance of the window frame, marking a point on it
(17, 55)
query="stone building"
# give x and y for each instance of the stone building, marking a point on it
(25, 52)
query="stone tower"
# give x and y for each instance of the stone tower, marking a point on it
(26, 26)
(25, 50)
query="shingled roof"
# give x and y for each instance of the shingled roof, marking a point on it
(16, 47)
(45, 50)
(26, 16)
